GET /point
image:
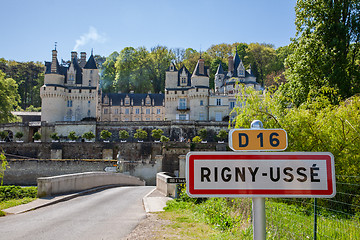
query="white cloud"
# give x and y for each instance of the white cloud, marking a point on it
(91, 36)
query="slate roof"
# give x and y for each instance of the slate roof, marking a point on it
(220, 69)
(157, 99)
(78, 77)
(90, 64)
(197, 71)
(188, 76)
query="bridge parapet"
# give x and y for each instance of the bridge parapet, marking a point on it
(50, 186)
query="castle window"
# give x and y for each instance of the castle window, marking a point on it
(69, 103)
(88, 113)
(171, 68)
(147, 111)
(218, 102)
(183, 80)
(158, 111)
(71, 77)
(148, 101)
(106, 111)
(127, 111)
(201, 117)
(79, 90)
(116, 111)
(175, 92)
(90, 91)
(182, 103)
(69, 90)
(90, 82)
(232, 105)
(201, 102)
(127, 101)
(116, 119)
(147, 119)
(137, 111)
(55, 88)
(182, 116)
(89, 103)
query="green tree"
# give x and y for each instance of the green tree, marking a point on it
(108, 73)
(157, 133)
(164, 139)
(72, 136)
(9, 98)
(325, 50)
(54, 136)
(123, 134)
(19, 135)
(160, 58)
(88, 135)
(140, 134)
(37, 136)
(3, 135)
(29, 77)
(4, 166)
(105, 134)
(196, 139)
(222, 135)
(262, 58)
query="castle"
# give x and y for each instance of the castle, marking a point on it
(71, 93)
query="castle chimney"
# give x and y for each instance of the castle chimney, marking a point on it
(54, 61)
(201, 66)
(83, 58)
(231, 64)
(73, 55)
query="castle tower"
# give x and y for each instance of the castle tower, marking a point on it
(70, 93)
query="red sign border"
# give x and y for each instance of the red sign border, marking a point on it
(192, 156)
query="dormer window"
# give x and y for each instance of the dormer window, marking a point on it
(71, 77)
(171, 68)
(183, 80)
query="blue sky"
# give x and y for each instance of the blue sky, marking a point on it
(30, 28)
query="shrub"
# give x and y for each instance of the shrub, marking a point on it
(203, 134)
(54, 136)
(72, 136)
(19, 135)
(3, 135)
(222, 135)
(17, 192)
(105, 134)
(37, 136)
(157, 133)
(140, 134)
(164, 139)
(123, 134)
(88, 135)
(197, 139)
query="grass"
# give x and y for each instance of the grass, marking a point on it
(221, 218)
(11, 196)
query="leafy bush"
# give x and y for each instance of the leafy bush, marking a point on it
(54, 136)
(123, 134)
(19, 135)
(157, 133)
(105, 134)
(3, 135)
(222, 135)
(196, 139)
(88, 135)
(16, 192)
(140, 134)
(164, 139)
(203, 134)
(37, 136)
(72, 136)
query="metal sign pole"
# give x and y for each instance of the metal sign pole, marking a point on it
(258, 205)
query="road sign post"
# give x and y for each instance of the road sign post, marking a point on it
(251, 172)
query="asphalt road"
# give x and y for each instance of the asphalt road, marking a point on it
(109, 214)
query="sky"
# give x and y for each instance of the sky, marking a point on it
(30, 29)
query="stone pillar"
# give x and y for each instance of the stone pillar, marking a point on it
(56, 154)
(158, 160)
(107, 154)
(182, 166)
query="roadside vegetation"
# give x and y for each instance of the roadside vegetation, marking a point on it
(11, 196)
(230, 218)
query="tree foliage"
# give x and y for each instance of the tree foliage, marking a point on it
(9, 98)
(325, 49)
(316, 126)
(29, 76)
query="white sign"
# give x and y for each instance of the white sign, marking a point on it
(253, 174)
